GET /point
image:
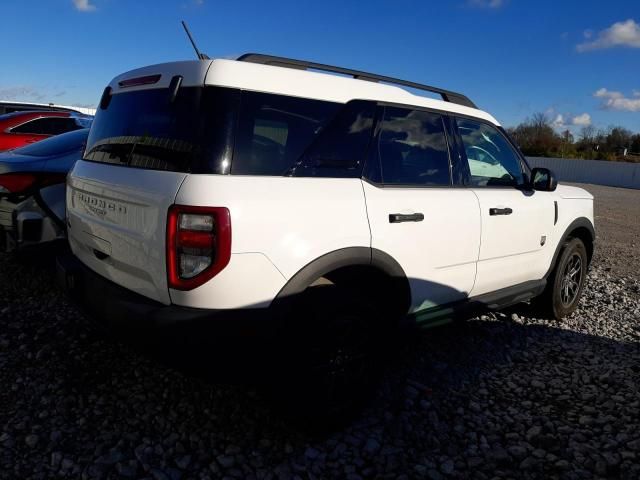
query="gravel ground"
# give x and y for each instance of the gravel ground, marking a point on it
(617, 214)
(500, 396)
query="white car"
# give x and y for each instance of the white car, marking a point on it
(322, 209)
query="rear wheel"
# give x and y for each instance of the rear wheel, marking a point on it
(566, 282)
(331, 355)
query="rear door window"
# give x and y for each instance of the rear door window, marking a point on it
(413, 149)
(340, 149)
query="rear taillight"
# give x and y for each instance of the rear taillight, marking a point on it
(198, 244)
(17, 183)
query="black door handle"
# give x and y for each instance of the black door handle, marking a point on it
(402, 217)
(500, 211)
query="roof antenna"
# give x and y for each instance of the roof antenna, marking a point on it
(201, 56)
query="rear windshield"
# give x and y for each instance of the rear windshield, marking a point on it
(207, 130)
(146, 129)
(49, 147)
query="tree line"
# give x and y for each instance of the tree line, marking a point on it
(536, 137)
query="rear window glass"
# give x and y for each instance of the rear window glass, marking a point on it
(145, 129)
(57, 145)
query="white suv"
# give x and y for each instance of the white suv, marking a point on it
(321, 208)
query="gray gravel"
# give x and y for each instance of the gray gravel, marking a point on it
(617, 214)
(501, 396)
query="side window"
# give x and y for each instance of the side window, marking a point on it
(274, 130)
(412, 148)
(33, 126)
(62, 125)
(339, 150)
(47, 126)
(492, 160)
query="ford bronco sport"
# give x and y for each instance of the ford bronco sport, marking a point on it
(325, 209)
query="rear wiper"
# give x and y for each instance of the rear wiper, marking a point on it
(114, 150)
(130, 157)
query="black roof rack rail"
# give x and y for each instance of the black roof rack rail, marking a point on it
(446, 95)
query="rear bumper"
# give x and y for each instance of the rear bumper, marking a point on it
(142, 322)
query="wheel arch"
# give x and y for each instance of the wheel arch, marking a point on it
(581, 228)
(362, 267)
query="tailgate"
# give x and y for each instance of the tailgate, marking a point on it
(117, 223)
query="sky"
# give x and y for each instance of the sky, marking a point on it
(576, 61)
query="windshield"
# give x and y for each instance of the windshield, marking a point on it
(57, 145)
(145, 129)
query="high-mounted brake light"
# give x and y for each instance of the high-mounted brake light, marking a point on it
(198, 244)
(134, 82)
(16, 183)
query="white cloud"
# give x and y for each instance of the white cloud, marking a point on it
(486, 3)
(583, 120)
(612, 100)
(620, 34)
(564, 121)
(604, 93)
(84, 5)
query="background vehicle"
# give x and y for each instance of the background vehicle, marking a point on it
(213, 191)
(22, 128)
(32, 189)
(9, 106)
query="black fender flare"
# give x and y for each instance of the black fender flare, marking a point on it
(346, 257)
(580, 222)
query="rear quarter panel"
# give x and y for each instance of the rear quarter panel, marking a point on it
(278, 225)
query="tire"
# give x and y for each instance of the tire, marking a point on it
(331, 354)
(566, 282)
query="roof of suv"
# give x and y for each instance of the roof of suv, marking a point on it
(286, 80)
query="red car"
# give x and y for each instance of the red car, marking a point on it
(21, 128)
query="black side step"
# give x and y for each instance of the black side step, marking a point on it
(492, 301)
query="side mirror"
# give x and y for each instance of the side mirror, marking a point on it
(543, 179)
